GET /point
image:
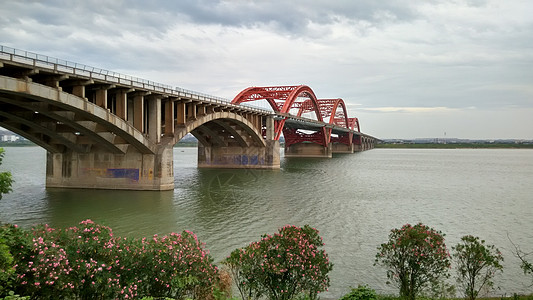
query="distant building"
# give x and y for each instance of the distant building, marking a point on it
(9, 138)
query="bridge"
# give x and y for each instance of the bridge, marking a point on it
(106, 130)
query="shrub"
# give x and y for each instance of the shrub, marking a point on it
(14, 249)
(362, 292)
(477, 264)
(179, 265)
(416, 256)
(6, 268)
(88, 261)
(285, 265)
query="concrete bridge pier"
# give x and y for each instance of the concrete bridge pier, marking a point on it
(103, 170)
(308, 150)
(236, 157)
(343, 148)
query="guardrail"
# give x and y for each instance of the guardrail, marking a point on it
(63, 66)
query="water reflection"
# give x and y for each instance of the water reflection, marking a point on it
(129, 213)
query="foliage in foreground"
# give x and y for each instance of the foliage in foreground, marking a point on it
(88, 262)
(282, 266)
(415, 257)
(525, 264)
(477, 264)
(5, 178)
(362, 292)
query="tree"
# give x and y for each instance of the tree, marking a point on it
(477, 264)
(526, 265)
(415, 257)
(282, 266)
(5, 178)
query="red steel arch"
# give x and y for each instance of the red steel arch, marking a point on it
(354, 123)
(282, 99)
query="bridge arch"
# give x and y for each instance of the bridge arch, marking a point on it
(58, 121)
(282, 99)
(234, 126)
(353, 124)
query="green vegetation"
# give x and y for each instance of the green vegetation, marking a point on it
(20, 143)
(5, 178)
(88, 262)
(186, 144)
(455, 146)
(415, 257)
(525, 265)
(287, 265)
(477, 264)
(361, 293)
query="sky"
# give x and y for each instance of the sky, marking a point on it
(405, 68)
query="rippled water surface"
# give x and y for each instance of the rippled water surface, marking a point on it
(354, 200)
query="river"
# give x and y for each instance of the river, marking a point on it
(354, 200)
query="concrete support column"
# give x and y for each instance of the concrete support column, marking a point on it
(180, 118)
(270, 128)
(101, 98)
(154, 119)
(202, 110)
(79, 90)
(122, 104)
(357, 143)
(169, 117)
(258, 122)
(191, 111)
(138, 112)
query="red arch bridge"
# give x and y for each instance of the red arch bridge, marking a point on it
(106, 130)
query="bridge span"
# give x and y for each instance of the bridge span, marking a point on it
(106, 130)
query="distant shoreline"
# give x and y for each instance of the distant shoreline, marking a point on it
(455, 146)
(382, 145)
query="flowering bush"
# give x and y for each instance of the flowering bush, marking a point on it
(14, 248)
(477, 264)
(287, 264)
(178, 265)
(88, 261)
(415, 256)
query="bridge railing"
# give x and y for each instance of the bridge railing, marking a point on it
(64, 66)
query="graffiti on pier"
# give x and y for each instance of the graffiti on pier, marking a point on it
(131, 174)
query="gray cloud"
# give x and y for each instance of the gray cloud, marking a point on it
(461, 55)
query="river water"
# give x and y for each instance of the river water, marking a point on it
(354, 200)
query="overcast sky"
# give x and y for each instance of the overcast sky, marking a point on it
(405, 68)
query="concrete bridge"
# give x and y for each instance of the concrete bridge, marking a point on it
(106, 130)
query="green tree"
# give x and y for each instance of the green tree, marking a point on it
(526, 265)
(5, 178)
(416, 256)
(282, 266)
(477, 263)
